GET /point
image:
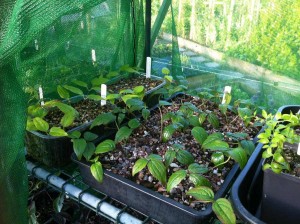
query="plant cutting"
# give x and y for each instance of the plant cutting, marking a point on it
(280, 141)
(153, 153)
(267, 189)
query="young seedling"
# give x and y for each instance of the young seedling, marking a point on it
(215, 143)
(155, 165)
(278, 131)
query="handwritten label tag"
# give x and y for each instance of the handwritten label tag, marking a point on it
(41, 95)
(103, 94)
(227, 90)
(148, 67)
(93, 55)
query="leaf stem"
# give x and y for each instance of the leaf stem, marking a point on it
(222, 163)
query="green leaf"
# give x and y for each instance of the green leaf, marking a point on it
(126, 91)
(80, 83)
(168, 132)
(184, 157)
(224, 211)
(239, 155)
(58, 203)
(175, 179)
(197, 168)
(73, 89)
(139, 89)
(134, 123)
(57, 132)
(67, 119)
(237, 136)
(40, 124)
(30, 125)
(199, 134)
(164, 103)
(158, 170)
(122, 134)
(194, 121)
(139, 165)
(155, 157)
(98, 81)
(213, 120)
(89, 136)
(276, 167)
(94, 97)
(214, 142)
(244, 112)
(62, 92)
(97, 171)
(121, 118)
(135, 104)
(248, 146)
(65, 108)
(199, 180)
(89, 151)
(264, 114)
(79, 147)
(202, 117)
(145, 113)
(166, 72)
(203, 194)
(75, 134)
(169, 157)
(105, 146)
(37, 111)
(223, 108)
(217, 158)
(103, 119)
(278, 157)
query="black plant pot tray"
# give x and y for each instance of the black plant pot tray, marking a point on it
(257, 195)
(151, 203)
(56, 151)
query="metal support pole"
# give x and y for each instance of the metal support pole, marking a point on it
(148, 29)
(94, 203)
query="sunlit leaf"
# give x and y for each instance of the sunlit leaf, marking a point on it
(175, 179)
(139, 165)
(224, 211)
(97, 171)
(203, 194)
(105, 146)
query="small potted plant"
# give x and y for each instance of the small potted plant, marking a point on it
(267, 189)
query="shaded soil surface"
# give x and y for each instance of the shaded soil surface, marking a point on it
(147, 140)
(42, 199)
(123, 83)
(88, 109)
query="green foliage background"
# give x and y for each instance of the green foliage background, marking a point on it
(262, 32)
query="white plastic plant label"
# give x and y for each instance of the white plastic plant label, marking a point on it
(93, 55)
(103, 94)
(148, 67)
(227, 90)
(36, 44)
(41, 95)
(81, 24)
(298, 151)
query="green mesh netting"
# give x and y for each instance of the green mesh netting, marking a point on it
(235, 43)
(49, 42)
